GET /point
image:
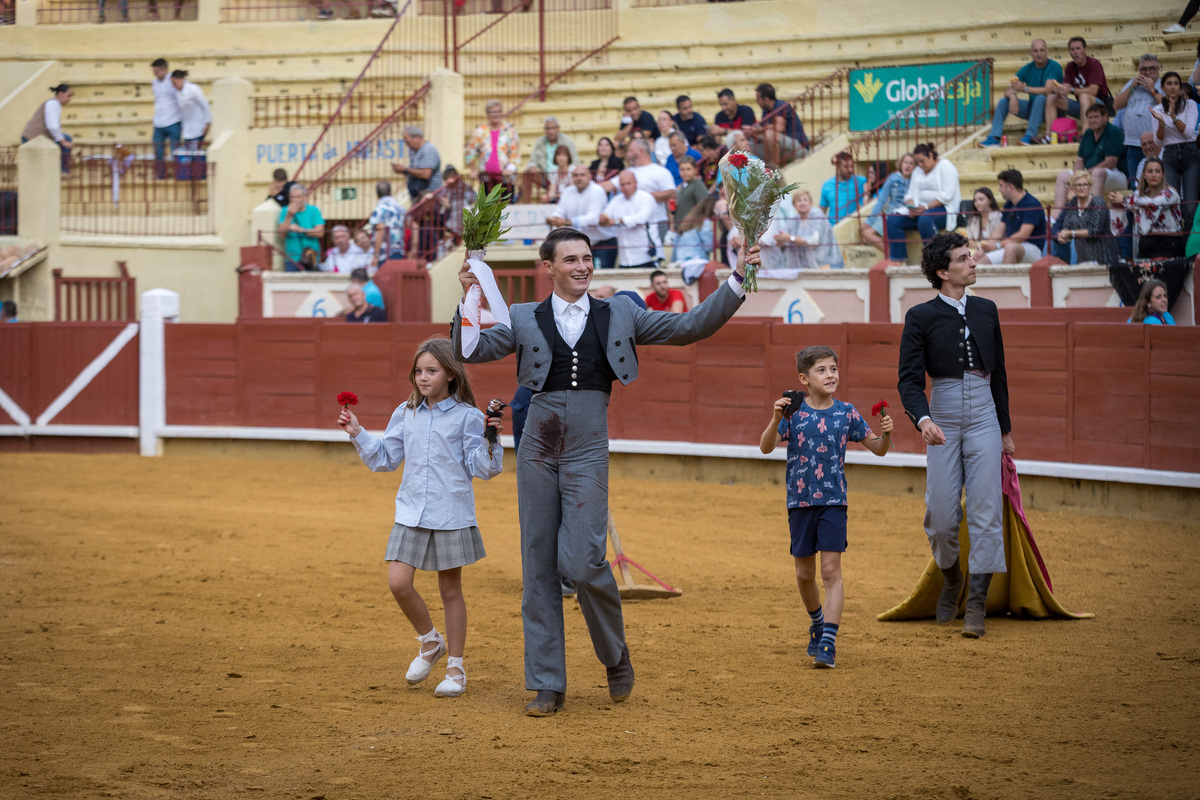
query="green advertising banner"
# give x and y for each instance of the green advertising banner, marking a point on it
(879, 94)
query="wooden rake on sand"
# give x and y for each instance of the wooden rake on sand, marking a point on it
(630, 590)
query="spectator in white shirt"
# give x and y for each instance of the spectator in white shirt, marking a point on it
(345, 256)
(168, 117)
(629, 211)
(655, 180)
(47, 121)
(580, 207)
(197, 116)
(662, 148)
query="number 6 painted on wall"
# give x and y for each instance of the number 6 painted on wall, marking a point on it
(317, 310)
(794, 314)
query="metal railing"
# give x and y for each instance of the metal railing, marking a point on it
(666, 3)
(8, 191)
(127, 190)
(8, 12)
(305, 10)
(79, 12)
(95, 299)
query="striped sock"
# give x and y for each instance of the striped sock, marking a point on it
(818, 616)
(829, 634)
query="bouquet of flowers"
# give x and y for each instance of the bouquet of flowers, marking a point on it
(754, 193)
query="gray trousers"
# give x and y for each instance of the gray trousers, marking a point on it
(970, 458)
(562, 493)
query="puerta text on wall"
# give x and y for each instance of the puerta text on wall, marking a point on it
(292, 153)
(879, 94)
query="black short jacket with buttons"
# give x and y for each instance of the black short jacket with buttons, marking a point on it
(933, 343)
(627, 325)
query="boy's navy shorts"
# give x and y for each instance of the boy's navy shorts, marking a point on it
(817, 528)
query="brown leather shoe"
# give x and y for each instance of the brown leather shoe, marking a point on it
(620, 677)
(547, 703)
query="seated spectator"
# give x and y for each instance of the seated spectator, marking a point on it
(711, 154)
(889, 201)
(1024, 223)
(814, 241)
(1135, 101)
(778, 254)
(876, 175)
(1176, 129)
(1083, 82)
(687, 121)
(8, 312)
(559, 176)
(301, 227)
(47, 121)
(986, 226)
(281, 187)
(662, 145)
(694, 233)
(387, 223)
(360, 309)
(931, 203)
(370, 290)
(344, 256)
(664, 298)
(1157, 220)
(635, 119)
(580, 207)
(733, 116)
(1151, 147)
(545, 150)
(603, 293)
(1033, 78)
(678, 150)
(1151, 305)
(454, 196)
(842, 194)
(607, 165)
(690, 190)
(630, 211)
(1085, 221)
(423, 171)
(1101, 150)
(1194, 78)
(655, 180)
(493, 152)
(778, 138)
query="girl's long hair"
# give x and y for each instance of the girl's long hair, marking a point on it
(1180, 98)
(1143, 185)
(991, 198)
(1140, 311)
(442, 352)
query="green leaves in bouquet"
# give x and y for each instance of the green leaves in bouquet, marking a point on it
(481, 224)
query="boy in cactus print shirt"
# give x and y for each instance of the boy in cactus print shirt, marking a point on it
(816, 430)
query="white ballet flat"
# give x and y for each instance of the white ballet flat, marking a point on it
(422, 665)
(452, 685)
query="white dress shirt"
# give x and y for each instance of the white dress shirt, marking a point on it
(166, 103)
(582, 210)
(630, 216)
(570, 318)
(653, 178)
(53, 118)
(195, 110)
(961, 307)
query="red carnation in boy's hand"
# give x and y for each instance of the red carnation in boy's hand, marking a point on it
(347, 399)
(878, 408)
(738, 160)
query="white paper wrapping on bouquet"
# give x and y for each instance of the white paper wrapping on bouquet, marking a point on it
(473, 305)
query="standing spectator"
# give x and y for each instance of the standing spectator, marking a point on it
(47, 121)
(1151, 305)
(1024, 223)
(281, 187)
(423, 173)
(301, 227)
(656, 181)
(635, 119)
(607, 164)
(1157, 220)
(196, 113)
(1032, 78)
(778, 138)
(690, 190)
(387, 225)
(842, 194)
(1083, 83)
(124, 6)
(345, 255)
(732, 116)
(1177, 131)
(494, 149)
(454, 196)
(662, 145)
(663, 297)
(580, 207)
(361, 279)
(679, 150)
(360, 309)
(1136, 99)
(629, 211)
(1189, 11)
(8, 312)
(168, 117)
(889, 201)
(545, 147)
(1085, 222)
(559, 177)
(986, 225)
(932, 202)
(687, 121)
(1101, 150)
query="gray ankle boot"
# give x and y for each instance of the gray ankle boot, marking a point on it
(976, 605)
(952, 583)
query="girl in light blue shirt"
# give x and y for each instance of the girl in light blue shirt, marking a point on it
(438, 434)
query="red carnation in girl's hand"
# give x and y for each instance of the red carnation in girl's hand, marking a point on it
(878, 408)
(347, 399)
(738, 160)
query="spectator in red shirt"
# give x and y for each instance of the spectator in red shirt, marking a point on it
(732, 116)
(1083, 82)
(664, 298)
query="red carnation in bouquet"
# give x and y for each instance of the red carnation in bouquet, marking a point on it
(738, 160)
(346, 399)
(879, 408)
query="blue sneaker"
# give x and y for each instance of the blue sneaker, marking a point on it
(990, 141)
(814, 638)
(825, 654)
(1029, 141)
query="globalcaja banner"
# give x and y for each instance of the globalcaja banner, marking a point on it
(878, 94)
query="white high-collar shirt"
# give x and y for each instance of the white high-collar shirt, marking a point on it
(570, 318)
(961, 307)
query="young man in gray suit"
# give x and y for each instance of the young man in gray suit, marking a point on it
(570, 348)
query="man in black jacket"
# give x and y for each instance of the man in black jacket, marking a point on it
(955, 338)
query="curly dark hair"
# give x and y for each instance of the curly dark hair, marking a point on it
(936, 255)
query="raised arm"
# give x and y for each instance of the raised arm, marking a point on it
(665, 327)
(494, 343)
